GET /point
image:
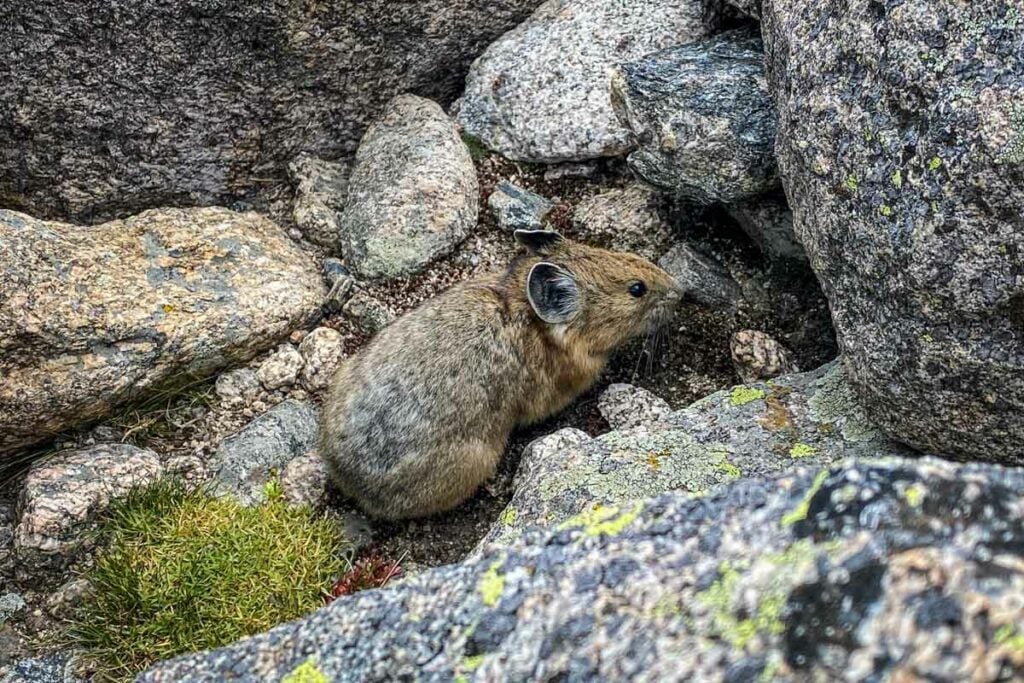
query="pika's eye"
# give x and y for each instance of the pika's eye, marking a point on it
(638, 289)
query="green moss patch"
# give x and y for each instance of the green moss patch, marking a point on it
(183, 571)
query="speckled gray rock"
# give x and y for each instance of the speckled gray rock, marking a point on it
(768, 221)
(304, 481)
(93, 317)
(10, 604)
(884, 570)
(756, 355)
(245, 461)
(238, 387)
(413, 192)
(320, 191)
(161, 103)
(64, 493)
(901, 142)
(281, 368)
(518, 209)
(624, 406)
(540, 93)
(54, 668)
(322, 350)
(634, 218)
(370, 314)
(704, 280)
(750, 430)
(702, 117)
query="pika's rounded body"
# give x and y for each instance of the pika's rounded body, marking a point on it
(417, 420)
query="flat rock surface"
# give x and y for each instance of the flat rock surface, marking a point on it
(108, 109)
(91, 317)
(901, 147)
(633, 218)
(876, 570)
(413, 193)
(540, 93)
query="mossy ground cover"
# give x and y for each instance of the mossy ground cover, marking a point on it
(183, 571)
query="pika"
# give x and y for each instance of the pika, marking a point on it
(419, 418)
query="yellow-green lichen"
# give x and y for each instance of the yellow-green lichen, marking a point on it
(471, 663)
(914, 494)
(1007, 635)
(509, 516)
(741, 396)
(799, 513)
(307, 672)
(934, 164)
(492, 584)
(851, 183)
(802, 450)
(729, 470)
(897, 179)
(885, 210)
(603, 519)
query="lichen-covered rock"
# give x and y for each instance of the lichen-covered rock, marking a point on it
(750, 430)
(64, 494)
(880, 570)
(246, 461)
(156, 103)
(10, 604)
(320, 191)
(901, 143)
(91, 317)
(413, 192)
(634, 218)
(702, 117)
(768, 221)
(540, 93)
(281, 368)
(322, 350)
(704, 280)
(54, 668)
(518, 209)
(756, 355)
(624, 406)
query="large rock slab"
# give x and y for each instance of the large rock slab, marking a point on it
(884, 570)
(634, 218)
(752, 430)
(91, 317)
(901, 147)
(540, 93)
(64, 494)
(702, 117)
(110, 109)
(413, 192)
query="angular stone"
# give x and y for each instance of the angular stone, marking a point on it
(901, 142)
(518, 209)
(413, 192)
(246, 461)
(238, 387)
(63, 494)
(877, 570)
(156, 103)
(702, 117)
(705, 281)
(540, 93)
(321, 189)
(624, 406)
(322, 350)
(92, 317)
(304, 481)
(757, 356)
(769, 222)
(633, 218)
(281, 368)
(368, 313)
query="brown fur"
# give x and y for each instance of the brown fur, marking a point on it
(416, 421)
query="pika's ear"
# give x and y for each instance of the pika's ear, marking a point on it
(553, 293)
(539, 242)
